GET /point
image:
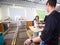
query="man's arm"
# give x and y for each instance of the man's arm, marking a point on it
(36, 40)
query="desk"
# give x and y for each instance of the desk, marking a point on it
(36, 29)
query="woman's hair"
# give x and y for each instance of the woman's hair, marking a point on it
(35, 17)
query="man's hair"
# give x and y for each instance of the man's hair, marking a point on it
(52, 3)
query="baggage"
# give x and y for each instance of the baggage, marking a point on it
(1, 39)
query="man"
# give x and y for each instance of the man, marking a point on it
(50, 33)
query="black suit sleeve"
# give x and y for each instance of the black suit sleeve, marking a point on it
(49, 28)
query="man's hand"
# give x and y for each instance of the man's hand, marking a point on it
(28, 42)
(35, 40)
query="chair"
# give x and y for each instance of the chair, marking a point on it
(29, 23)
(1, 27)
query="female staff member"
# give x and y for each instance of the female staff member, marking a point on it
(36, 21)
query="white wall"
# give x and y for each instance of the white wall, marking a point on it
(23, 12)
(4, 12)
(16, 12)
(30, 13)
(27, 13)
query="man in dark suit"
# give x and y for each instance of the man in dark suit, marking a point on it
(51, 30)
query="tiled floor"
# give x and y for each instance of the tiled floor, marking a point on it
(22, 36)
(9, 36)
